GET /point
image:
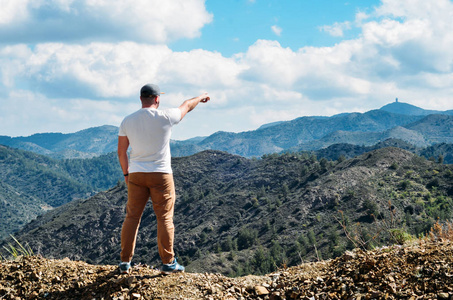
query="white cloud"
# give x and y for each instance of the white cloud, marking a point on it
(428, 26)
(152, 21)
(437, 10)
(277, 30)
(320, 73)
(13, 11)
(104, 70)
(404, 51)
(337, 29)
(393, 57)
(97, 70)
(200, 68)
(24, 112)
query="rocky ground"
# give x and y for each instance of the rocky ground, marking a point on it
(420, 271)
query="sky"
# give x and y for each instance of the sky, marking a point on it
(68, 65)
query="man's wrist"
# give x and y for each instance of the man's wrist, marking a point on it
(127, 174)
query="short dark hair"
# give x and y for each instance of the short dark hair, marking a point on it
(150, 97)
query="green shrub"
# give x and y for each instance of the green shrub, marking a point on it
(400, 236)
(246, 238)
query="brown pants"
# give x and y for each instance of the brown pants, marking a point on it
(161, 188)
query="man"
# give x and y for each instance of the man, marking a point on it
(148, 173)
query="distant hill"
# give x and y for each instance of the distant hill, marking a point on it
(409, 109)
(17, 209)
(82, 144)
(365, 138)
(435, 128)
(396, 120)
(238, 216)
(336, 151)
(438, 152)
(310, 133)
(299, 131)
(31, 184)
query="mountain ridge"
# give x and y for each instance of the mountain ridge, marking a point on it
(268, 138)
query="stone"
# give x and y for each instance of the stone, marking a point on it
(261, 290)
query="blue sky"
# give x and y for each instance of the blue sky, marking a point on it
(67, 65)
(238, 24)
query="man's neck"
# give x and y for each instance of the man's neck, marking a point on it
(155, 106)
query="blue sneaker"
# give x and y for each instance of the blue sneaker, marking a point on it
(124, 267)
(172, 268)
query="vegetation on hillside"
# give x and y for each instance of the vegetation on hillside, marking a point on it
(31, 184)
(238, 216)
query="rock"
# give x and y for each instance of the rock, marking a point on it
(274, 276)
(275, 296)
(261, 290)
(348, 255)
(131, 280)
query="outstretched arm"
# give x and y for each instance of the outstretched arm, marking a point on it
(190, 104)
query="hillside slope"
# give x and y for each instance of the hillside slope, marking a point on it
(31, 184)
(436, 128)
(17, 209)
(421, 271)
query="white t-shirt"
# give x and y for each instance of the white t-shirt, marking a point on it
(149, 132)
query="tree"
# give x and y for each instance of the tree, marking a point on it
(246, 238)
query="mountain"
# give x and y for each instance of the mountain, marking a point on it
(365, 138)
(17, 209)
(337, 151)
(31, 184)
(238, 216)
(424, 132)
(442, 152)
(408, 109)
(82, 144)
(435, 128)
(312, 133)
(396, 120)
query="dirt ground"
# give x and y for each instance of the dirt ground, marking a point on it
(420, 271)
